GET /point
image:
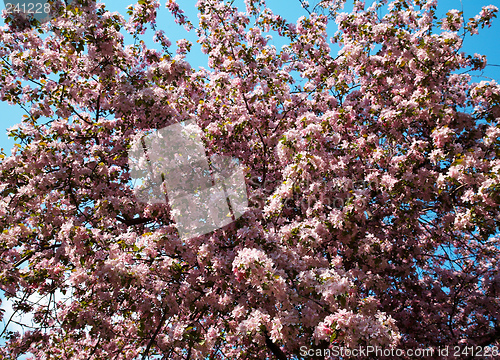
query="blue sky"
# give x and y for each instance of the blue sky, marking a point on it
(486, 43)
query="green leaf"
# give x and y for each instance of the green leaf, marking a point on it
(333, 336)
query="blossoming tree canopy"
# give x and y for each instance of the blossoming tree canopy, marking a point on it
(410, 260)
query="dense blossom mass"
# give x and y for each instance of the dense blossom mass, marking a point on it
(372, 177)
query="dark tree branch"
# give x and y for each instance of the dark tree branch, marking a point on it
(275, 349)
(98, 108)
(305, 6)
(130, 222)
(157, 331)
(94, 349)
(32, 252)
